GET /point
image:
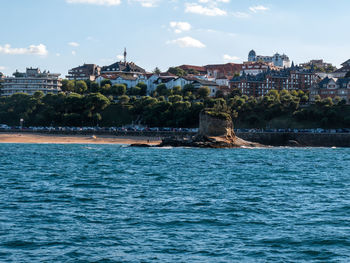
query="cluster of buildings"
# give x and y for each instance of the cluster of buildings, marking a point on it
(255, 77)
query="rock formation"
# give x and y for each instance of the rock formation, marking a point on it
(215, 131)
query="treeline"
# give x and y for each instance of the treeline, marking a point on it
(114, 105)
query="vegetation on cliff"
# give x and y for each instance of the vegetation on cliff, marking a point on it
(113, 105)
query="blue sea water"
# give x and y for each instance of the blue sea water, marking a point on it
(109, 203)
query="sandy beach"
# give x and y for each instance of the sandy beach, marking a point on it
(73, 139)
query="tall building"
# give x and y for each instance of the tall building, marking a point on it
(31, 81)
(84, 72)
(277, 59)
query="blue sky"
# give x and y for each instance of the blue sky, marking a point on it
(60, 34)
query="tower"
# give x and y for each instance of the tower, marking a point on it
(125, 53)
(252, 56)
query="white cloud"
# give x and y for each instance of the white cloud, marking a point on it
(146, 3)
(58, 54)
(95, 2)
(214, 1)
(32, 50)
(120, 57)
(258, 8)
(241, 14)
(74, 53)
(180, 26)
(73, 44)
(204, 10)
(230, 58)
(2, 68)
(187, 42)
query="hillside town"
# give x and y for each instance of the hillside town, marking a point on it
(255, 77)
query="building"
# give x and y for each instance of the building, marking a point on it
(123, 67)
(331, 88)
(318, 63)
(277, 59)
(31, 81)
(197, 69)
(198, 83)
(294, 78)
(213, 71)
(255, 68)
(341, 73)
(84, 72)
(129, 81)
(223, 70)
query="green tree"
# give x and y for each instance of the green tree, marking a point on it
(162, 90)
(174, 98)
(203, 92)
(135, 91)
(177, 71)
(94, 87)
(156, 71)
(118, 89)
(143, 87)
(80, 87)
(177, 90)
(105, 81)
(124, 99)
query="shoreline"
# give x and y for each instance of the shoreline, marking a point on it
(40, 138)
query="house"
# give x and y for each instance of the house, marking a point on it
(341, 73)
(223, 81)
(123, 67)
(129, 68)
(31, 81)
(84, 72)
(213, 71)
(222, 70)
(331, 88)
(129, 81)
(255, 68)
(198, 83)
(318, 63)
(194, 69)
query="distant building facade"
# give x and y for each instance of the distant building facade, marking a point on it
(294, 78)
(31, 81)
(84, 72)
(277, 59)
(319, 63)
(332, 87)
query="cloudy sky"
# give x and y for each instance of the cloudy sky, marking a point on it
(60, 34)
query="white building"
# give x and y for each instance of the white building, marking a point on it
(31, 81)
(277, 59)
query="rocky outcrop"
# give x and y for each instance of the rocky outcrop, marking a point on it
(215, 131)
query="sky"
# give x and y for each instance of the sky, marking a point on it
(57, 35)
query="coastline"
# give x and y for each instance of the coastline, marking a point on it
(40, 138)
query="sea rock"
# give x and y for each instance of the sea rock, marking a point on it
(215, 131)
(142, 145)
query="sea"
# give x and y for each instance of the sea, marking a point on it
(112, 203)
